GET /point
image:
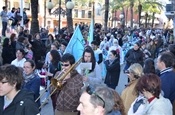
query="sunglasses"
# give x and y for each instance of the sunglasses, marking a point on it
(91, 91)
(126, 72)
(65, 65)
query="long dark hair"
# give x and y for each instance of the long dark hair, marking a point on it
(55, 57)
(149, 66)
(88, 49)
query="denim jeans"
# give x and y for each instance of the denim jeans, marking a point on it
(4, 28)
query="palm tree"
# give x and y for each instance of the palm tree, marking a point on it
(34, 23)
(106, 14)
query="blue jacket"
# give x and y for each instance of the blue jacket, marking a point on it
(33, 86)
(167, 84)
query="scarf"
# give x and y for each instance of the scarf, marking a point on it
(27, 78)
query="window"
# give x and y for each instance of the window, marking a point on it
(89, 14)
(76, 13)
(83, 14)
(90, 4)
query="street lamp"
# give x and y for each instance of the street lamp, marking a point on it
(69, 7)
(49, 6)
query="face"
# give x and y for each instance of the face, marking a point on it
(19, 55)
(136, 47)
(62, 47)
(28, 68)
(37, 36)
(159, 63)
(93, 46)
(65, 65)
(85, 107)
(53, 47)
(6, 88)
(111, 56)
(87, 57)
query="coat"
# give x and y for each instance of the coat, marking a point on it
(22, 104)
(113, 72)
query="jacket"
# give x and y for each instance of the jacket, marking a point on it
(134, 56)
(68, 97)
(113, 72)
(161, 106)
(22, 104)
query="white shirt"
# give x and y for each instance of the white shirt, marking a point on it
(19, 63)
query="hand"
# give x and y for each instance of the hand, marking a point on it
(85, 78)
(49, 74)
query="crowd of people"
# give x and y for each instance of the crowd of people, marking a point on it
(27, 58)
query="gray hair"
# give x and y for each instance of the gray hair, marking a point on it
(106, 94)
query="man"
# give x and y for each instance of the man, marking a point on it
(4, 18)
(68, 96)
(14, 101)
(97, 100)
(164, 64)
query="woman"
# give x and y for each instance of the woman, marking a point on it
(128, 95)
(113, 69)
(31, 79)
(14, 101)
(7, 52)
(94, 74)
(118, 106)
(19, 61)
(54, 66)
(149, 66)
(49, 42)
(38, 49)
(153, 103)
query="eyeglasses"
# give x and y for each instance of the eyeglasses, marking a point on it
(91, 91)
(3, 82)
(65, 65)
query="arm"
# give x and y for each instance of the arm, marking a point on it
(113, 67)
(97, 77)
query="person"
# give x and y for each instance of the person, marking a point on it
(4, 17)
(31, 79)
(94, 74)
(96, 99)
(128, 95)
(7, 52)
(19, 61)
(153, 103)
(68, 96)
(14, 101)
(134, 55)
(113, 69)
(165, 64)
(149, 66)
(118, 108)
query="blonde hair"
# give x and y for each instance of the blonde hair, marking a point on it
(136, 69)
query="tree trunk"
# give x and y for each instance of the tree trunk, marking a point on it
(126, 19)
(106, 14)
(140, 11)
(132, 13)
(69, 19)
(6, 3)
(146, 19)
(153, 17)
(34, 23)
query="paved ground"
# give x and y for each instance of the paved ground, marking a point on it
(48, 109)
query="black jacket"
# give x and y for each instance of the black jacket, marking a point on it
(22, 104)
(113, 72)
(134, 56)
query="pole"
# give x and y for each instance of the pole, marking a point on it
(21, 13)
(44, 13)
(93, 10)
(59, 18)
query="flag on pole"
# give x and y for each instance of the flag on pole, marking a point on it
(91, 31)
(76, 44)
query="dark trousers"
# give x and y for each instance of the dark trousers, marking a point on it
(4, 28)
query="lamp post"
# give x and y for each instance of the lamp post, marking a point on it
(69, 7)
